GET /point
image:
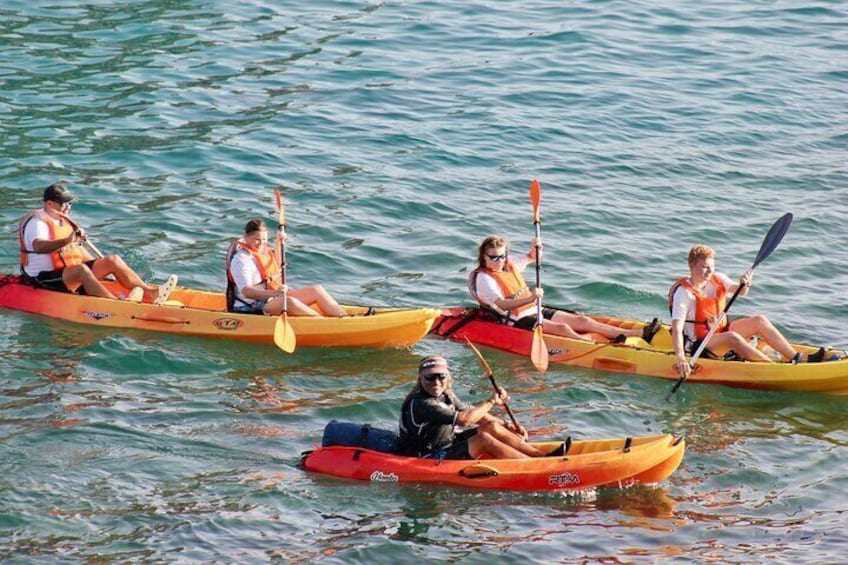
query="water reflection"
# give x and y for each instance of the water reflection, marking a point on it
(440, 517)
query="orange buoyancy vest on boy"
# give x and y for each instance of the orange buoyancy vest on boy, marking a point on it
(510, 282)
(67, 256)
(707, 310)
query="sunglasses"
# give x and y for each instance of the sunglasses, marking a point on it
(433, 376)
(496, 257)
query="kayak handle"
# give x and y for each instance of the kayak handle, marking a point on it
(478, 471)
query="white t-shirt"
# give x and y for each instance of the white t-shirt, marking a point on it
(489, 292)
(245, 273)
(37, 228)
(683, 303)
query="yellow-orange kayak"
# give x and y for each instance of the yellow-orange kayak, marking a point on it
(585, 464)
(654, 359)
(203, 314)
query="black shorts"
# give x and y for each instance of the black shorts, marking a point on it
(458, 449)
(690, 347)
(52, 280)
(529, 322)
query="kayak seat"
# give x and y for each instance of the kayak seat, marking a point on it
(468, 315)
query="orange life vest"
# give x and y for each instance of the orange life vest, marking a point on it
(265, 262)
(707, 310)
(510, 282)
(67, 256)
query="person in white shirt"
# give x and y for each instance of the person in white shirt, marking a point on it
(254, 279)
(54, 255)
(498, 284)
(696, 303)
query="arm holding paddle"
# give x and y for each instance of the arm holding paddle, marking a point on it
(499, 393)
(510, 303)
(536, 293)
(481, 413)
(681, 365)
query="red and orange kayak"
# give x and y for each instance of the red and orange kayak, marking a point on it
(655, 359)
(586, 464)
(204, 314)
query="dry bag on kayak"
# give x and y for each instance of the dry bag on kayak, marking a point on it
(358, 435)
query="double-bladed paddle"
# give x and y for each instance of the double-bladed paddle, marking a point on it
(770, 243)
(538, 351)
(491, 376)
(284, 336)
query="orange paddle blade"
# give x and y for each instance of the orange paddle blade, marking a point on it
(535, 198)
(280, 208)
(284, 334)
(539, 351)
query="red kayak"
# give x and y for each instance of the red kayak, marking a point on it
(580, 465)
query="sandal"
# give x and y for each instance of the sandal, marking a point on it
(135, 295)
(166, 289)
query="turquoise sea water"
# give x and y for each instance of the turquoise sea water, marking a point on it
(401, 133)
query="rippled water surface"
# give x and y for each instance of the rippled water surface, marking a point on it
(401, 133)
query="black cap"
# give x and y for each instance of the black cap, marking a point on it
(58, 192)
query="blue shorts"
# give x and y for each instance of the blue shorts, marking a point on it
(256, 307)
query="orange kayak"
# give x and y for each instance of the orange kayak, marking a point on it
(655, 359)
(203, 314)
(586, 464)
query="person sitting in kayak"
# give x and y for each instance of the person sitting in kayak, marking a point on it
(54, 257)
(498, 285)
(697, 301)
(254, 282)
(431, 413)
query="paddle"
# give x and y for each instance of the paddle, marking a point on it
(491, 376)
(770, 243)
(538, 351)
(284, 336)
(91, 247)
